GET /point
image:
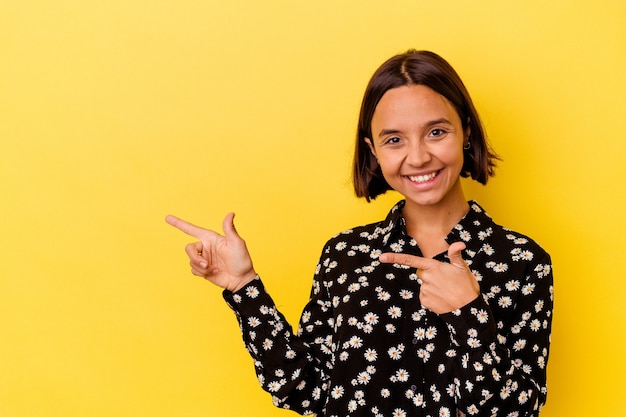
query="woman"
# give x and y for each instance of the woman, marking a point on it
(435, 310)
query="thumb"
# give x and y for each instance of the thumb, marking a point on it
(228, 225)
(454, 254)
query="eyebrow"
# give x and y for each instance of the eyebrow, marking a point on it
(442, 120)
(385, 132)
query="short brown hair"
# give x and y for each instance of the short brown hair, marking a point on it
(418, 68)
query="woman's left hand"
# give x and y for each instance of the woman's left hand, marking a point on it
(445, 286)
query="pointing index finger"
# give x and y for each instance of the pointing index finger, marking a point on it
(405, 259)
(185, 227)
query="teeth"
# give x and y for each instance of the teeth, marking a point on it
(423, 178)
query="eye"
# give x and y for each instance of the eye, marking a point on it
(437, 132)
(392, 140)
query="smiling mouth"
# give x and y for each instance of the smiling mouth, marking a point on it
(423, 178)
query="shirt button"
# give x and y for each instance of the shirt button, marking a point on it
(415, 340)
(413, 388)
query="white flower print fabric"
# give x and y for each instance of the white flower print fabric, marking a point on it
(366, 347)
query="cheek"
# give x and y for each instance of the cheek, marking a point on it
(453, 156)
(391, 170)
(387, 162)
(458, 160)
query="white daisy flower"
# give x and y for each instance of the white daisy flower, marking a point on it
(337, 392)
(539, 306)
(394, 353)
(252, 292)
(384, 296)
(402, 375)
(419, 333)
(523, 397)
(482, 316)
(370, 355)
(528, 289)
(505, 302)
(397, 247)
(431, 332)
(395, 312)
(519, 345)
(398, 412)
(512, 285)
(535, 325)
(355, 342)
(423, 354)
(473, 342)
(352, 405)
(363, 248)
(363, 378)
(273, 386)
(371, 318)
(501, 267)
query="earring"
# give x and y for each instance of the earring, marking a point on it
(467, 145)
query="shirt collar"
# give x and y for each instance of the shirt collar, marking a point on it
(468, 230)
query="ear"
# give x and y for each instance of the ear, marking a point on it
(371, 146)
(467, 133)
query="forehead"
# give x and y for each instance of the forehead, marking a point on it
(413, 103)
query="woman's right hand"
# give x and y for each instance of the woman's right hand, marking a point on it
(223, 260)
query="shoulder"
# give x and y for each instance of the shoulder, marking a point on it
(507, 253)
(492, 233)
(372, 234)
(363, 234)
(521, 246)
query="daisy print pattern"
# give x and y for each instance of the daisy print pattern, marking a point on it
(365, 346)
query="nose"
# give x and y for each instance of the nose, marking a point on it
(418, 153)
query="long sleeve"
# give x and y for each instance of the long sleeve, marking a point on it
(501, 364)
(294, 369)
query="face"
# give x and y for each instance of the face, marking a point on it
(418, 140)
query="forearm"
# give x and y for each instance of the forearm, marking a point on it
(287, 367)
(496, 376)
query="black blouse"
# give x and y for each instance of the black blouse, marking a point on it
(366, 347)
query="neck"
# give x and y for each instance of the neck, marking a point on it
(435, 219)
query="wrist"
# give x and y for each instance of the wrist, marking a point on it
(245, 280)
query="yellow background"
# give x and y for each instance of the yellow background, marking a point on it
(115, 113)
